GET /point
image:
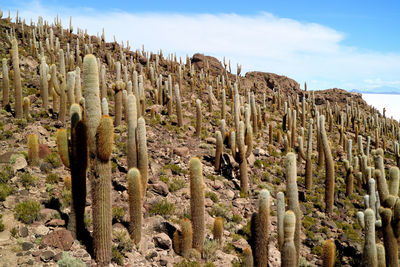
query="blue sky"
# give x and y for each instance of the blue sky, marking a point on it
(347, 44)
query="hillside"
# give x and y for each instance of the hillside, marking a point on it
(53, 207)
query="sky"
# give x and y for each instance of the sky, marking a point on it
(344, 44)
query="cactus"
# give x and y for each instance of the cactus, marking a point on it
(293, 197)
(62, 146)
(218, 151)
(247, 258)
(178, 106)
(70, 88)
(135, 204)
(218, 229)
(288, 252)
(26, 107)
(44, 85)
(370, 253)
(132, 125)
(380, 249)
(197, 207)
(328, 254)
(349, 178)
(118, 87)
(198, 117)
(104, 107)
(280, 210)
(329, 167)
(307, 156)
(17, 79)
(261, 234)
(223, 104)
(33, 149)
(6, 84)
(389, 238)
(142, 158)
(186, 237)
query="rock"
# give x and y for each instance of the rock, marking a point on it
(240, 245)
(44, 150)
(36, 253)
(211, 140)
(47, 214)
(152, 254)
(164, 261)
(41, 230)
(181, 151)
(23, 231)
(58, 239)
(160, 188)
(208, 202)
(46, 167)
(5, 157)
(10, 202)
(217, 184)
(20, 164)
(251, 159)
(58, 256)
(47, 255)
(26, 246)
(224, 259)
(55, 223)
(162, 241)
(200, 62)
(229, 194)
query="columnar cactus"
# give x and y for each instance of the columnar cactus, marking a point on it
(307, 156)
(261, 234)
(135, 204)
(33, 149)
(119, 86)
(197, 207)
(248, 257)
(370, 257)
(183, 240)
(26, 107)
(328, 254)
(178, 106)
(280, 210)
(349, 177)
(218, 150)
(218, 229)
(132, 125)
(223, 105)
(6, 84)
(142, 159)
(70, 88)
(293, 197)
(17, 79)
(198, 117)
(288, 252)
(389, 238)
(44, 85)
(329, 167)
(380, 249)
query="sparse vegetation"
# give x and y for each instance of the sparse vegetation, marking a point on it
(27, 211)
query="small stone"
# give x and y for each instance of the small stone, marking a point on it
(20, 164)
(162, 241)
(26, 246)
(5, 158)
(59, 239)
(55, 223)
(181, 151)
(30, 262)
(47, 214)
(229, 194)
(36, 253)
(217, 184)
(151, 255)
(163, 261)
(23, 231)
(41, 230)
(160, 188)
(47, 255)
(211, 140)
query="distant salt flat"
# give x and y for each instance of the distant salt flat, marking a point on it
(390, 102)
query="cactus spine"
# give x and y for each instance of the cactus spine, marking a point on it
(17, 79)
(289, 254)
(33, 149)
(197, 207)
(329, 167)
(135, 204)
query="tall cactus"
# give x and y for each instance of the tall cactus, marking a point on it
(197, 207)
(293, 198)
(17, 79)
(143, 159)
(132, 125)
(6, 84)
(33, 149)
(218, 150)
(261, 234)
(280, 210)
(178, 106)
(329, 167)
(198, 117)
(328, 254)
(135, 204)
(289, 254)
(370, 254)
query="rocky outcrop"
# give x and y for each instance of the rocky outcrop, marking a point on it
(200, 62)
(265, 82)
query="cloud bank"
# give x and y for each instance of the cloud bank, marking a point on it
(304, 51)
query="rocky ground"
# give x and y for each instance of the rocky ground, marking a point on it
(43, 241)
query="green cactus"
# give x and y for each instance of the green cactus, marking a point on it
(247, 257)
(261, 235)
(132, 126)
(329, 167)
(197, 207)
(142, 158)
(370, 254)
(328, 254)
(280, 210)
(288, 252)
(33, 149)
(17, 79)
(118, 87)
(135, 204)
(380, 249)
(389, 238)
(218, 229)
(198, 117)
(6, 84)
(178, 106)
(218, 151)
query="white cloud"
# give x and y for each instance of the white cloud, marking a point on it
(264, 42)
